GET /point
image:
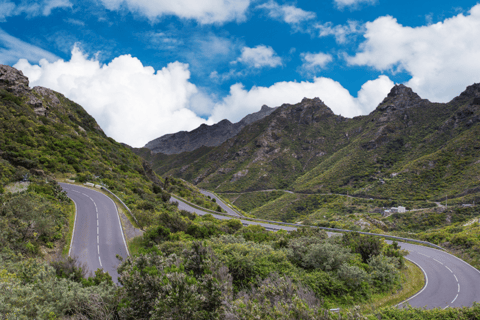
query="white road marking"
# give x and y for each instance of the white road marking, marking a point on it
(459, 287)
(445, 307)
(423, 254)
(438, 261)
(73, 232)
(100, 261)
(449, 269)
(98, 249)
(98, 241)
(455, 277)
(454, 299)
(424, 287)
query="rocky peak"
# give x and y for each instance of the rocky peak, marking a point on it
(400, 97)
(471, 92)
(13, 80)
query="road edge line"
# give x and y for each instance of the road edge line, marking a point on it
(74, 225)
(120, 224)
(424, 287)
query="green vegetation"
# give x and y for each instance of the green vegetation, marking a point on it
(407, 152)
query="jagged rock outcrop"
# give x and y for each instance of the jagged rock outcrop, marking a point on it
(205, 135)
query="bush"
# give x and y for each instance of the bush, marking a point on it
(326, 256)
(366, 245)
(353, 276)
(384, 271)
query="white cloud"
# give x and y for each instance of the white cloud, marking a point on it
(442, 58)
(205, 11)
(287, 13)
(12, 49)
(260, 56)
(313, 62)
(241, 102)
(131, 102)
(353, 4)
(44, 8)
(342, 33)
(6, 9)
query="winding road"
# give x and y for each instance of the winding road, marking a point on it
(97, 235)
(98, 238)
(450, 281)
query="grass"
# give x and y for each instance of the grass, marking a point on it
(71, 222)
(412, 281)
(134, 245)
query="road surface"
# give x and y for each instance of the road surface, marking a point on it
(220, 202)
(450, 282)
(97, 237)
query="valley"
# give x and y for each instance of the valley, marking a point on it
(194, 213)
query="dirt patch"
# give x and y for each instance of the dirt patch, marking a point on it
(129, 230)
(17, 187)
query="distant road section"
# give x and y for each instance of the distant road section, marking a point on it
(220, 202)
(98, 236)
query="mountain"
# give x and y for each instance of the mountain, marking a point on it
(45, 135)
(205, 135)
(407, 148)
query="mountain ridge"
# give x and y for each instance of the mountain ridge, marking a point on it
(306, 147)
(204, 135)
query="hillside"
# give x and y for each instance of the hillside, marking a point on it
(408, 148)
(205, 135)
(44, 135)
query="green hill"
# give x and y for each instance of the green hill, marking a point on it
(407, 149)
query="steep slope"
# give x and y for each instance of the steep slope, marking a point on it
(407, 148)
(43, 134)
(209, 136)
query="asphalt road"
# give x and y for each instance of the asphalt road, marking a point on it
(450, 282)
(220, 202)
(98, 236)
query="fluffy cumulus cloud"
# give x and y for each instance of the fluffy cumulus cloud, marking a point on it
(12, 49)
(442, 58)
(241, 101)
(132, 103)
(353, 4)
(260, 56)
(38, 8)
(205, 11)
(313, 62)
(289, 14)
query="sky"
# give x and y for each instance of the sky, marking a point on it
(145, 68)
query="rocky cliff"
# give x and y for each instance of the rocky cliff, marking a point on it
(209, 136)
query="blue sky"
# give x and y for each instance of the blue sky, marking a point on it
(144, 68)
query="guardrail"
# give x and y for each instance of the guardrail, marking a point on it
(199, 207)
(113, 194)
(346, 230)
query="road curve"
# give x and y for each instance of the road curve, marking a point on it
(451, 282)
(98, 236)
(220, 202)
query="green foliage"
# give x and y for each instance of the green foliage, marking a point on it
(191, 286)
(29, 221)
(32, 290)
(367, 246)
